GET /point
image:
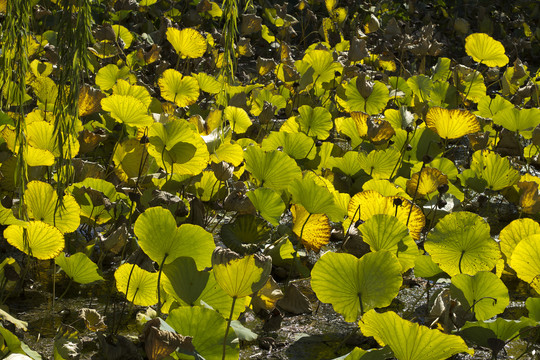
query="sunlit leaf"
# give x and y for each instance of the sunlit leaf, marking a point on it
(296, 145)
(238, 118)
(207, 328)
(273, 169)
(43, 205)
(525, 260)
(182, 279)
(37, 239)
(313, 230)
(187, 42)
(494, 169)
(354, 286)
(79, 268)
(315, 122)
(131, 159)
(181, 90)
(142, 284)
(461, 243)
(484, 293)
(451, 124)
(373, 104)
(483, 48)
(162, 241)
(127, 109)
(109, 74)
(514, 232)
(425, 182)
(240, 276)
(411, 341)
(268, 203)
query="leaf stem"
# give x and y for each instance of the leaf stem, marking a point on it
(158, 285)
(228, 327)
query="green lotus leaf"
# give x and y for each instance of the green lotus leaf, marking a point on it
(371, 354)
(181, 90)
(213, 295)
(420, 86)
(94, 208)
(177, 148)
(268, 203)
(533, 306)
(315, 122)
(127, 109)
(207, 328)
(461, 243)
(517, 119)
(424, 142)
(162, 241)
(444, 165)
(273, 169)
(36, 239)
(41, 136)
(79, 268)
(525, 260)
(130, 158)
(351, 163)
(122, 87)
(42, 203)
(245, 234)
(238, 276)
(238, 118)
(347, 126)
(483, 48)
(322, 64)
(314, 198)
(209, 187)
(488, 107)
(265, 95)
(380, 164)
(183, 281)
(483, 333)
(371, 105)
(187, 42)
(228, 152)
(123, 34)
(470, 83)
(384, 187)
(484, 293)
(46, 92)
(142, 284)
(426, 268)
(410, 341)
(494, 169)
(382, 231)
(109, 74)
(296, 145)
(514, 232)
(354, 286)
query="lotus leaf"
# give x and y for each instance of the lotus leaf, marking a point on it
(494, 169)
(268, 203)
(127, 109)
(79, 268)
(451, 124)
(37, 239)
(273, 169)
(162, 241)
(483, 48)
(525, 260)
(514, 232)
(139, 285)
(181, 90)
(354, 286)
(207, 328)
(238, 276)
(461, 243)
(410, 341)
(187, 42)
(484, 293)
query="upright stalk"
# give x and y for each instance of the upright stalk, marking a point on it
(228, 327)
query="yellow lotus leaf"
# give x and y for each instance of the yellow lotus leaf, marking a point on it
(425, 182)
(43, 205)
(452, 124)
(187, 42)
(374, 130)
(529, 200)
(514, 232)
(89, 100)
(123, 87)
(483, 48)
(182, 90)
(312, 229)
(368, 203)
(127, 109)
(142, 284)
(38, 239)
(526, 260)
(131, 159)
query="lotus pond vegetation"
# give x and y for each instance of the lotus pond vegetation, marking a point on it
(320, 179)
